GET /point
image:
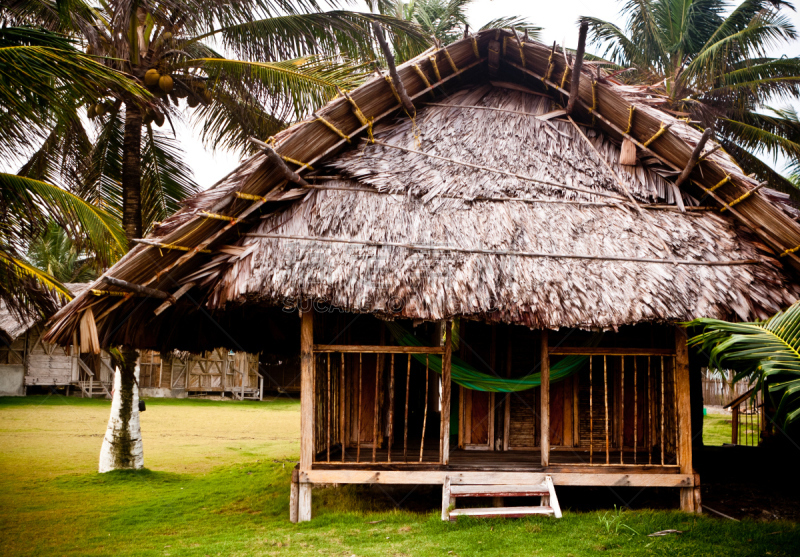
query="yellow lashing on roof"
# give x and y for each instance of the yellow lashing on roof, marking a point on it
(217, 216)
(790, 251)
(549, 69)
(361, 118)
(564, 77)
(301, 164)
(450, 59)
(250, 196)
(334, 129)
(739, 199)
(108, 293)
(390, 81)
(631, 110)
(432, 58)
(422, 76)
(721, 183)
(656, 135)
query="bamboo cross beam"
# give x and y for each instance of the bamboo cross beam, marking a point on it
(166, 246)
(577, 66)
(408, 106)
(178, 293)
(278, 162)
(139, 289)
(510, 253)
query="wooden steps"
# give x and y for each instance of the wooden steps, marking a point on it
(502, 512)
(546, 491)
(92, 389)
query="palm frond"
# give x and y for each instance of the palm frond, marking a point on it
(27, 291)
(166, 178)
(768, 351)
(305, 83)
(516, 22)
(28, 203)
(325, 34)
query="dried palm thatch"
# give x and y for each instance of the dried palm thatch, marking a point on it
(488, 204)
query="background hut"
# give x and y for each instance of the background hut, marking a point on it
(485, 236)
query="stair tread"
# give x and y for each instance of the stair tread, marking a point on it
(494, 490)
(501, 511)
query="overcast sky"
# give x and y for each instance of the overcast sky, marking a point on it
(557, 17)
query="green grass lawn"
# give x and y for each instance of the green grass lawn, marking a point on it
(717, 430)
(218, 484)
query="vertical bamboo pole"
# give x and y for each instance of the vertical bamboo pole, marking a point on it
(545, 401)
(358, 418)
(507, 414)
(635, 410)
(622, 409)
(735, 425)
(425, 412)
(390, 429)
(591, 415)
(649, 414)
(662, 410)
(689, 496)
(405, 418)
(328, 407)
(306, 412)
(446, 362)
(342, 414)
(605, 397)
(675, 403)
(377, 409)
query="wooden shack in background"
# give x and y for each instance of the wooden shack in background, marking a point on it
(27, 360)
(488, 298)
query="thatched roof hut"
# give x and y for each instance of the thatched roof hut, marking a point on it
(489, 203)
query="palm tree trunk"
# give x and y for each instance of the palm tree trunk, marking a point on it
(122, 445)
(132, 174)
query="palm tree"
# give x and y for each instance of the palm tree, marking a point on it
(38, 88)
(240, 69)
(58, 255)
(446, 22)
(767, 353)
(710, 64)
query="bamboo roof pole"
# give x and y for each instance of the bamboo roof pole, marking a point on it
(408, 106)
(577, 66)
(693, 160)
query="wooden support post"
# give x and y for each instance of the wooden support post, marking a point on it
(376, 408)
(544, 443)
(605, 398)
(408, 106)
(446, 499)
(621, 436)
(649, 415)
(390, 428)
(507, 415)
(575, 80)
(405, 415)
(342, 408)
(425, 412)
(684, 415)
(294, 496)
(591, 415)
(358, 416)
(328, 412)
(662, 411)
(446, 361)
(306, 411)
(635, 411)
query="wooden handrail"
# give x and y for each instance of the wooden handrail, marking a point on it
(351, 349)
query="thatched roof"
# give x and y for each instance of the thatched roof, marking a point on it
(13, 325)
(478, 209)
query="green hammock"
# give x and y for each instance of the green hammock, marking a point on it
(467, 376)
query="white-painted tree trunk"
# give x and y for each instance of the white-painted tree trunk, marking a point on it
(122, 446)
